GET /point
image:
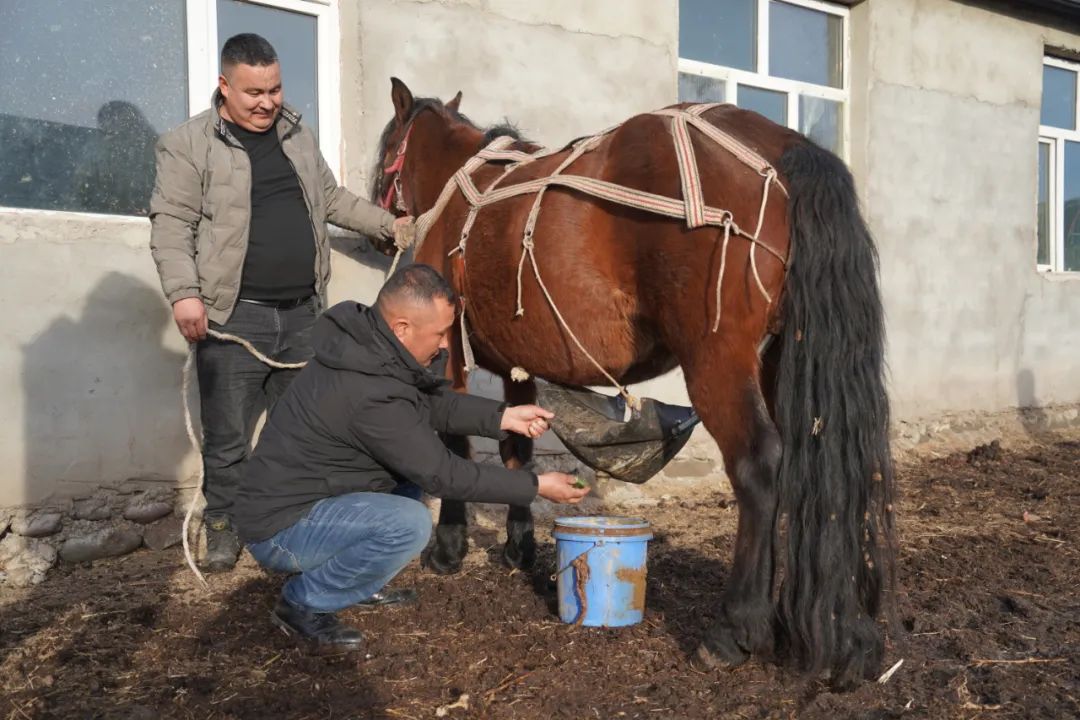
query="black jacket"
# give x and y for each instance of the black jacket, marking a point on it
(360, 416)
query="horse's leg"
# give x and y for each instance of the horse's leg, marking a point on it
(452, 533)
(520, 549)
(724, 388)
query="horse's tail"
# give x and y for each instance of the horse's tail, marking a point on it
(835, 483)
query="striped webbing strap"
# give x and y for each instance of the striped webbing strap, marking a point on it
(692, 207)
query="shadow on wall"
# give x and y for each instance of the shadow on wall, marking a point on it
(360, 250)
(101, 400)
(101, 405)
(1033, 417)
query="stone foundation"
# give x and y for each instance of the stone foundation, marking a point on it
(109, 523)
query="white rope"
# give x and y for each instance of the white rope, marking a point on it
(770, 177)
(189, 366)
(466, 346)
(720, 274)
(631, 400)
(185, 385)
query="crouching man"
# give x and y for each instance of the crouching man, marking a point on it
(357, 424)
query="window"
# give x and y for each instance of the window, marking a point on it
(79, 120)
(785, 59)
(1057, 206)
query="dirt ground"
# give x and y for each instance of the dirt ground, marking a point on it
(989, 626)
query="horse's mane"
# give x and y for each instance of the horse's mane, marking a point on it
(419, 105)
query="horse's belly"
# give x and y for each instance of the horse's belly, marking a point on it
(581, 324)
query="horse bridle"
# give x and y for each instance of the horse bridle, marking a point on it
(394, 194)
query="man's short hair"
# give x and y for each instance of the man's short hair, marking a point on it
(248, 49)
(416, 283)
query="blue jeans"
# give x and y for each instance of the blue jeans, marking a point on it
(346, 549)
(234, 387)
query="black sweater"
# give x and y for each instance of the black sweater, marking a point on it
(280, 259)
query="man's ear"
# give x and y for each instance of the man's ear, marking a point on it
(400, 327)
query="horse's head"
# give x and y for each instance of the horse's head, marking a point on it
(392, 184)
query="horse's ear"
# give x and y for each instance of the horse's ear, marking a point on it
(402, 98)
(455, 103)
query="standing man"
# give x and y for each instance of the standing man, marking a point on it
(238, 218)
(318, 499)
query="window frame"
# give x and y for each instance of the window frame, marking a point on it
(202, 66)
(732, 77)
(1056, 138)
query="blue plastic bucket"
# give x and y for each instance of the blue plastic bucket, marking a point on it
(601, 563)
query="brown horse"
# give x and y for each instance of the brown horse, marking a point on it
(803, 427)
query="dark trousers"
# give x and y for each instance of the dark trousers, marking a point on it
(235, 387)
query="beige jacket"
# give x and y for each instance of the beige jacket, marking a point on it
(200, 209)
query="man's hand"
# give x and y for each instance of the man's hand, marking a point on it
(404, 231)
(190, 316)
(560, 488)
(527, 420)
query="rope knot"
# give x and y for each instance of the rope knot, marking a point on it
(404, 235)
(527, 242)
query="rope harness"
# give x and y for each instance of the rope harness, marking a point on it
(692, 207)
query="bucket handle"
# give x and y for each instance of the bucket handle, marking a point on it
(570, 565)
(581, 565)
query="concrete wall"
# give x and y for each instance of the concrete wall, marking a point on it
(945, 120)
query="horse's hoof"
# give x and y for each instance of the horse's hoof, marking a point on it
(438, 562)
(446, 554)
(704, 661)
(519, 556)
(719, 649)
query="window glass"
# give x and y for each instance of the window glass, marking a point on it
(86, 88)
(769, 103)
(805, 44)
(700, 89)
(819, 120)
(1059, 97)
(721, 32)
(1071, 257)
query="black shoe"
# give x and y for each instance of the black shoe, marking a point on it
(404, 596)
(222, 545)
(324, 631)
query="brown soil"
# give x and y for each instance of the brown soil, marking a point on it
(989, 626)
